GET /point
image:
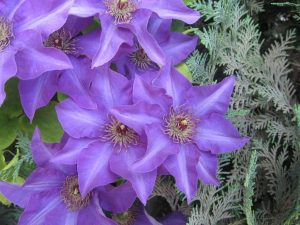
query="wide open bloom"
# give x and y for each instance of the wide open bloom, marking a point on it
(75, 82)
(102, 146)
(121, 20)
(21, 48)
(51, 196)
(185, 127)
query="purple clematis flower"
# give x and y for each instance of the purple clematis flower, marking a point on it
(21, 48)
(121, 20)
(185, 127)
(101, 146)
(51, 196)
(74, 82)
(176, 46)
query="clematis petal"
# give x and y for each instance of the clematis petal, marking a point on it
(79, 122)
(34, 59)
(37, 92)
(88, 43)
(183, 167)
(110, 88)
(159, 28)
(117, 199)
(171, 10)
(205, 100)
(62, 216)
(15, 193)
(179, 46)
(69, 154)
(218, 135)
(207, 168)
(138, 115)
(44, 17)
(8, 8)
(111, 39)
(76, 82)
(8, 69)
(175, 218)
(160, 146)
(142, 183)
(87, 8)
(175, 84)
(93, 168)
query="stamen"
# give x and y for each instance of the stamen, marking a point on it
(62, 40)
(141, 59)
(121, 9)
(5, 33)
(119, 134)
(71, 195)
(180, 126)
(129, 217)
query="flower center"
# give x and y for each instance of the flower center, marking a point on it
(71, 195)
(141, 59)
(121, 9)
(62, 40)
(180, 126)
(129, 217)
(5, 33)
(120, 134)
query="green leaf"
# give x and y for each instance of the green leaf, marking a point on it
(183, 68)
(47, 122)
(13, 161)
(8, 130)
(61, 97)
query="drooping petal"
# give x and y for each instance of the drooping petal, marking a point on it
(69, 154)
(88, 43)
(159, 28)
(138, 26)
(205, 100)
(76, 82)
(15, 193)
(8, 69)
(138, 115)
(117, 199)
(175, 84)
(171, 10)
(87, 8)
(37, 92)
(110, 88)
(218, 135)
(44, 17)
(160, 146)
(111, 39)
(79, 122)
(34, 59)
(183, 167)
(93, 166)
(179, 46)
(142, 183)
(62, 216)
(207, 168)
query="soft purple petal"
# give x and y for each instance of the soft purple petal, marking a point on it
(171, 10)
(207, 168)
(8, 69)
(179, 46)
(175, 84)
(142, 217)
(76, 24)
(205, 100)
(183, 167)
(76, 82)
(117, 199)
(79, 122)
(87, 8)
(15, 193)
(160, 146)
(62, 216)
(142, 183)
(37, 92)
(138, 26)
(138, 115)
(159, 28)
(88, 43)
(111, 39)
(218, 135)
(69, 155)
(34, 59)
(175, 218)
(110, 88)
(93, 166)
(45, 17)
(8, 8)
